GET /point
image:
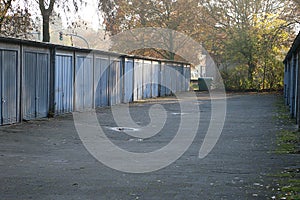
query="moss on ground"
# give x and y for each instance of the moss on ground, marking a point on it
(289, 184)
(288, 142)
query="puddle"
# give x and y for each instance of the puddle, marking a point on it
(136, 140)
(122, 129)
(180, 113)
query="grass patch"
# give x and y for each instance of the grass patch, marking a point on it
(282, 112)
(288, 182)
(287, 142)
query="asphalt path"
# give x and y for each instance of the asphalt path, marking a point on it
(46, 159)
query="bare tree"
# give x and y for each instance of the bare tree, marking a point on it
(15, 21)
(47, 7)
(5, 5)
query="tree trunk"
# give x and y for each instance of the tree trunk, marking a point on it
(251, 68)
(172, 56)
(171, 46)
(46, 13)
(46, 28)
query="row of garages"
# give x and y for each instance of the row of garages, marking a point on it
(38, 79)
(292, 81)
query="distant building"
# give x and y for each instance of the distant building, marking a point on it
(199, 70)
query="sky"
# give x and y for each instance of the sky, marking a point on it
(88, 13)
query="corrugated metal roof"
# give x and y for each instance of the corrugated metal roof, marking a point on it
(294, 48)
(83, 50)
